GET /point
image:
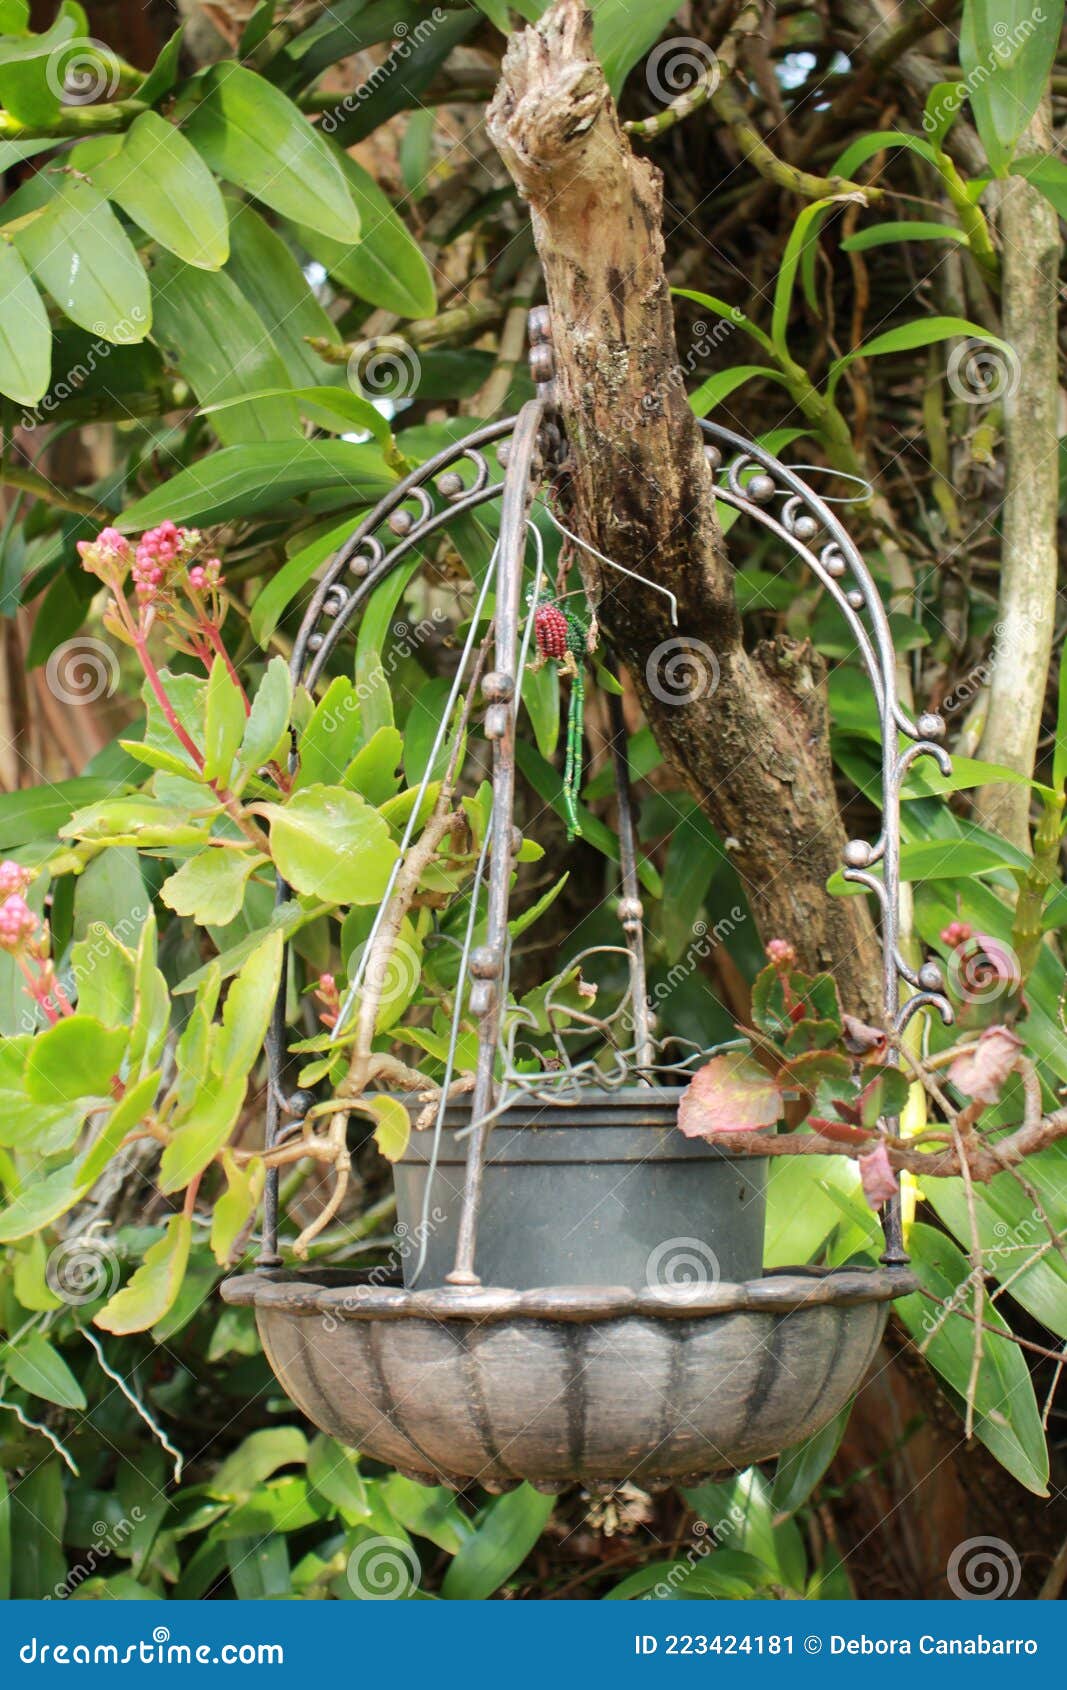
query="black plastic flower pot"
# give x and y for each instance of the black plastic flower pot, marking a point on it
(601, 1192)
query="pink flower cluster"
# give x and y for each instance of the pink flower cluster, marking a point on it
(781, 953)
(108, 556)
(955, 934)
(160, 552)
(17, 921)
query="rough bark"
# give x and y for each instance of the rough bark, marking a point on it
(1031, 254)
(747, 732)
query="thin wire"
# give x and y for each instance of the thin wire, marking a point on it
(610, 561)
(839, 475)
(413, 819)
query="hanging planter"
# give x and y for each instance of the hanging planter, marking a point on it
(582, 1294)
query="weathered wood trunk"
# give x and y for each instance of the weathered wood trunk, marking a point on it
(746, 731)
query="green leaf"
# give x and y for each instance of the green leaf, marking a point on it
(373, 770)
(253, 136)
(39, 1368)
(623, 33)
(385, 266)
(279, 592)
(79, 251)
(210, 887)
(800, 1468)
(887, 234)
(924, 331)
(126, 1116)
(393, 1128)
(718, 387)
(1007, 1418)
(235, 1208)
(248, 1008)
(330, 736)
(38, 1205)
(32, 67)
(268, 275)
(211, 335)
(335, 409)
(733, 313)
(1048, 174)
(1007, 48)
(328, 843)
(501, 1540)
(266, 731)
(519, 924)
(155, 1285)
(164, 73)
(224, 723)
(25, 334)
(254, 1460)
(211, 1120)
(78, 1057)
(241, 480)
(878, 141)
(802, 237)
(163, 184)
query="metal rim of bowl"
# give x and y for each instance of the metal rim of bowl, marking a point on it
(286, 1291)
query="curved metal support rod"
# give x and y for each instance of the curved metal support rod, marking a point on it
(503, 689)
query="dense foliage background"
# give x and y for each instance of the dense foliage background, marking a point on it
(258, 261)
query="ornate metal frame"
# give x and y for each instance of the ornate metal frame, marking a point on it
(458, 481)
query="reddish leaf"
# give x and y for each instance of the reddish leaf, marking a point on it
(981, 1073)
(837, 1130)
(730, 1094)
(879, 1180)
(861, 1040)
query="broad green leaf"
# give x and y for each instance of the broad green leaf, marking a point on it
(33, 67)
(334, 1472)
(155, 1285)
(269, 277)
(1007, 48)
(126, 1116)
(25, 334)
(78, 1057)
(879, 140)
(211, 1120)
(330, 736)
(39, 811)
(241, 480)
(266, 732)
(163, 184)
(1007, 1418)
(393, 1128)
(286, 919)
(253, 136)
(224, 723)
(210, 887)
(211, 335)
(103, 974)
(1048, 174)
(373, 770)
(385, 266)
(247, 1011)
(254, 1460)
(164, 73)
(328, 843)
(887, 234)
(39, 1368)
(40, 1565)
(29, 1277)
(151, 1013)
(235, 1208)
(335, 409)
(428, 1511)
(78, 250)
(39, 1204)
(943, 105)
(501, 1540)
(623, 33)
(375, 623)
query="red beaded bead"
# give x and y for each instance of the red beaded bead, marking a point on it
(550, 631)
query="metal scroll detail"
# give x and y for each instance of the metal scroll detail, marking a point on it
(451, 486)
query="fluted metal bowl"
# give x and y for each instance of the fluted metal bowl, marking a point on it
(599, 1385)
